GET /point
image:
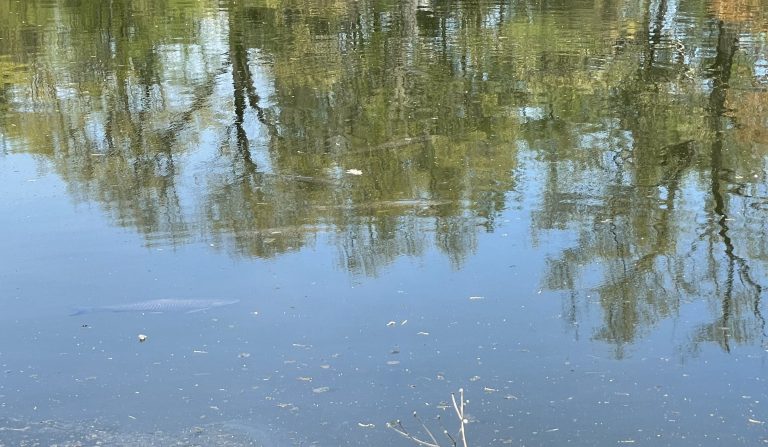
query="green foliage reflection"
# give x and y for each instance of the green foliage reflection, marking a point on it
(391, 127)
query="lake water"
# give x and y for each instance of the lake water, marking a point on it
(558, 207)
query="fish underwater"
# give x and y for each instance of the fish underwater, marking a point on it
(159, 306)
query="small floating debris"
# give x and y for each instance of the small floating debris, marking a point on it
(199, 351)
(304, 379)
(402, 323)
(488, 389)
(391, 324)
(393, 362)
(510, 397)
(22, 429)
(354, 172)
(142, 338)
(755, 421)
(321, 389)
(366, 425)
(325, 366)
(243, 355)
(476, 298)
(422, 333)
(86, 379)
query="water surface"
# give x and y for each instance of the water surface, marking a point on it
(559, 207)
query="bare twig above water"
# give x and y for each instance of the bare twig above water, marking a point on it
(458, 407)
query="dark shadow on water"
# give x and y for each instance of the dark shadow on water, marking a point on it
(17, 432)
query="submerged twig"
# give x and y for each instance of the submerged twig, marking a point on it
(458, 407)
(424, 427)
(398, 428)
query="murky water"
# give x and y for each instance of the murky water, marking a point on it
(558, 207)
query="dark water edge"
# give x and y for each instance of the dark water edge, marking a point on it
(19, 433)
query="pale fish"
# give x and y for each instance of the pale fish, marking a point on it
(161, 305)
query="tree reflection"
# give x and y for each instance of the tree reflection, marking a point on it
(390, 128)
